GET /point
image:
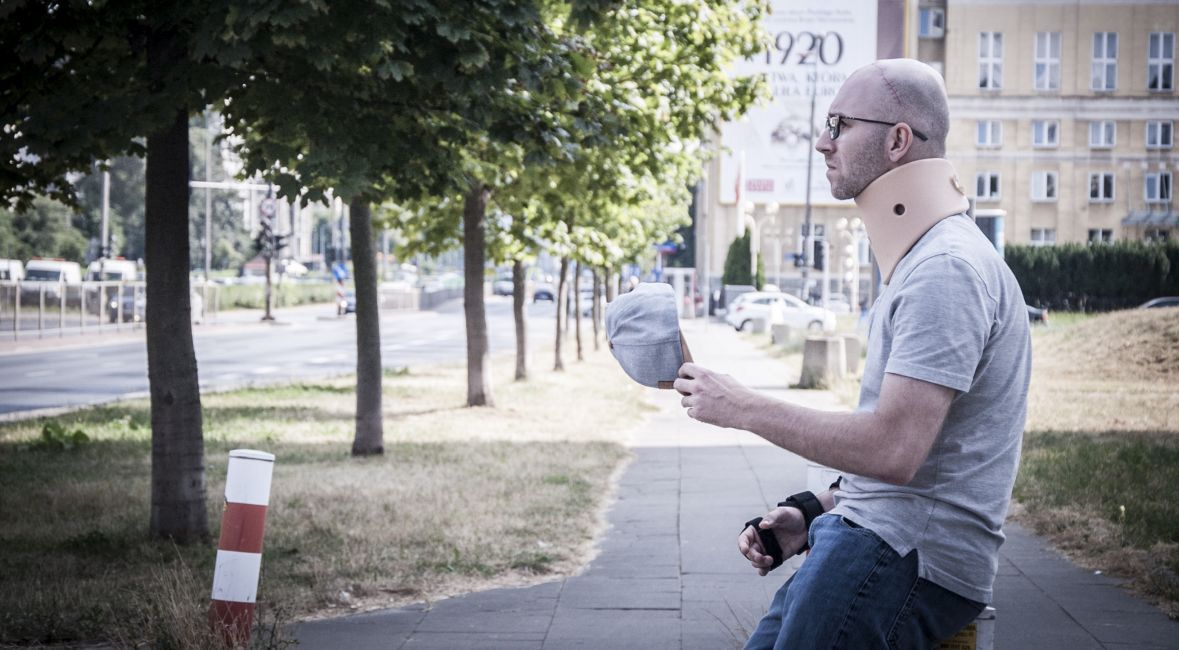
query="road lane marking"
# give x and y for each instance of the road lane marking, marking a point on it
(265, 370)
(39, 373)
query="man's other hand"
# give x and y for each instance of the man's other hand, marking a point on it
(788, 526)
(711, 397)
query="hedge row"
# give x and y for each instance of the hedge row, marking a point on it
(1100, 277)
(287, 294)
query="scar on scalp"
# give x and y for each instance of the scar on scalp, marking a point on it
(887, 82)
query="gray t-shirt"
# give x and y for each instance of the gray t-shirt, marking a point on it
(952, 315)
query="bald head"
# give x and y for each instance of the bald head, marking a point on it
(909, 91)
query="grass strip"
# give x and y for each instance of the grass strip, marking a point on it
(1108, 500)
(462, 499)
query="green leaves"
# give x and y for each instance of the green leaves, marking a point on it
(55, 437)
(395, 70)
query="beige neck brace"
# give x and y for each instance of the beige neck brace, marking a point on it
(903, 204)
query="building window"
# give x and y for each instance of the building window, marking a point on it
(933, 22)
(1044, 186)
(1043, 236)
(1047, 61)
(1158, 187)
(1101, 187)
(1105, 61)
(1160, 61)
(986, 186)
(990, 133)
(1157, 234)
(1100, 235)
(1045, 133)
(990, 60)
(1159, 135)
(1102, 134)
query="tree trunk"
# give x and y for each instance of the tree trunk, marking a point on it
(577, 310)
(474, 257)
(518, 314)
(597, 310)
(609, 286)
(177, 442)
(561, 314)
(370, 432)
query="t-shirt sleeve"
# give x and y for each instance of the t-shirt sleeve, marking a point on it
(941, 319)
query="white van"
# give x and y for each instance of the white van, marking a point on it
(113, 270)
(52, 274)
(11, 270)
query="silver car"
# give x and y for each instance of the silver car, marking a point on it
(776, 308)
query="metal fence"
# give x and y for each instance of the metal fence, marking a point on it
(33, 309)
(39, 309)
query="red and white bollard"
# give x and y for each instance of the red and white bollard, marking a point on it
(239, 551)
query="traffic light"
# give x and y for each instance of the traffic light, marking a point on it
(820, 255)
(264, 240)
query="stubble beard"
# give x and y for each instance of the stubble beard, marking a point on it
(859, 167)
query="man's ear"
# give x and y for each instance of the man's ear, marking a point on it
(900, 141)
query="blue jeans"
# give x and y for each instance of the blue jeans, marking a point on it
(854, 591)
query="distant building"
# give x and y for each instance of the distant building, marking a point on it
(1063, 113)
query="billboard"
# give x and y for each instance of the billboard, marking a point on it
(815, 45)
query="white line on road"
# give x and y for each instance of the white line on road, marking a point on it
(39, 373)
(265, 370)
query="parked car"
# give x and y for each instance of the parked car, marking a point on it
(503, 286)
(347, 304)
(52, 275)
(777, 308)
(134, 300)
(1037, 315)
(112, 270)
(1157, 303)
(838, 303)
(11, 270)
(134, 305)
(544, 291)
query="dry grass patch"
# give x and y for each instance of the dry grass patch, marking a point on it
(462, 499)
(1100, 468)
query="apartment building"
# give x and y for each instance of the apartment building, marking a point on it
(1063, 113)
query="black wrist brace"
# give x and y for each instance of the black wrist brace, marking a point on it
(810, 507)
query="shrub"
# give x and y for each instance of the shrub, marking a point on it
(1084, 277)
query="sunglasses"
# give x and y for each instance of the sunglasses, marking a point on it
(834, 122)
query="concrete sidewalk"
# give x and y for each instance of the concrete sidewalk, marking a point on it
(668, 574)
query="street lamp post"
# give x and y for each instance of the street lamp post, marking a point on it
(852, 232)
(808, 235)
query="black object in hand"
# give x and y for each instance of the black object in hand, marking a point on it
(769, 542)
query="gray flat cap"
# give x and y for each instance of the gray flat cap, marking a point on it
(643, 328)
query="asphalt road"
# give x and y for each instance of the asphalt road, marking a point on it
(307, 342)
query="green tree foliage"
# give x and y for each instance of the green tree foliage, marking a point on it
(397, 102)
(1095, 277)
(232, 243)
(737, 262)
(126, 218)
(759, 277)
(44, 229)
(656, 85)
(89, 81)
